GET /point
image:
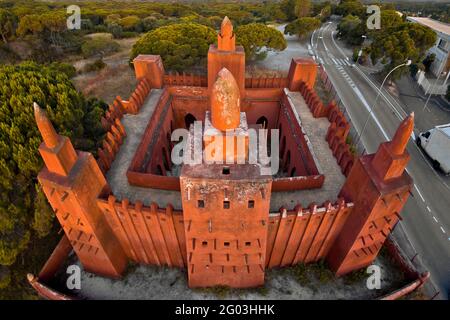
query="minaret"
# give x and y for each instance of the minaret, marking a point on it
(57, 151)
(226, 41)
(379, 186)
(225, 102)
(226, 135)
(72, 183)
(225, 199)
(227, 55)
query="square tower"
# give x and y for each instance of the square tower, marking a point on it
(225, 213)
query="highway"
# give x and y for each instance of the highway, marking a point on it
(426, 215)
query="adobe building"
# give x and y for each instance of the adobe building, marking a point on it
(225, 223)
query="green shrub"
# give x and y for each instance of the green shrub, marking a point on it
(66, 68)
(99, 46)
(94, 66)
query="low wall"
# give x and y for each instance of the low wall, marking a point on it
(337, 132)
(153, 235)
(111, 145)
(304, 235)
(148, 235)
(266, 82)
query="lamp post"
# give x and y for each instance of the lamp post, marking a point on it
(407, 63)
(433, 86)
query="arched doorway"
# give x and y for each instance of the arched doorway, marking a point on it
(293, 172)
(165, 161)
(263, 122)
(188, 120)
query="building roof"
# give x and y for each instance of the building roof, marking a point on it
(432, 24)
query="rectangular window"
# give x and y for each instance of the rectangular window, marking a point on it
(201, 203)
(226, 204)
(251, 203)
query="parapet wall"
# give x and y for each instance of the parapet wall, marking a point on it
(148, 235)
(156, 236)
(337, 132)
(195, 80)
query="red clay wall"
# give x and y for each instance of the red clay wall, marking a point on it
(153, 235)
(304, 235)
(337, 132)
(148, 235)
(295, 156)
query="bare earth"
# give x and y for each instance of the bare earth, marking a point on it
(116, 79)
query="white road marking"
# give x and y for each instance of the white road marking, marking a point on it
(428, 208)
(420, 193)
(435, 219)
(397, 113)
(442, 229)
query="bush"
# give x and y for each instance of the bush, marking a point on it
(179, 45)
(95, 66)
(66, 68)
(129, 34)
(100, 46)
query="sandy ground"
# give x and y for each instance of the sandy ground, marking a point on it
(116, 79)
(149, 282)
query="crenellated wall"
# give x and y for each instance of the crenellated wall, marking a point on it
(153, 235)
(305, 234)
(149, 235)
(266, 82)
(111, 144)
(337, 132)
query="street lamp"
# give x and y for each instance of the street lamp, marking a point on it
(407, 63)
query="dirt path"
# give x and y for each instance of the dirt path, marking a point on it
(116, 79)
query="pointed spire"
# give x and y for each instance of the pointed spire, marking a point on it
(402, 135)
(226, 28)
(226, 40)
(45, 127)
(225, 101)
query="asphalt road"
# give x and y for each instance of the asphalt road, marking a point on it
(426, 215)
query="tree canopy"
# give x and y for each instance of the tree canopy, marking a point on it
(24, 211)
(352, 28)
(406, 41)
(302, 8)
(302, 26)
(8, 24)
(179, 45)
(257, 39)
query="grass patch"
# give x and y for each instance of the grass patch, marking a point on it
(219, 291)
(355, 277)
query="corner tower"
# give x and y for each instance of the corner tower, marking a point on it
(72, 181)
(379, 187)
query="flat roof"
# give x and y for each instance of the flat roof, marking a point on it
(432, 24)
(315, 130)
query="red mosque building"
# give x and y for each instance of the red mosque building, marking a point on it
(224, 223)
